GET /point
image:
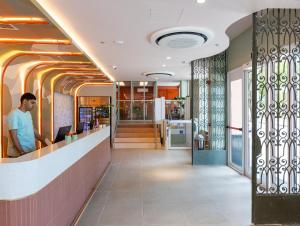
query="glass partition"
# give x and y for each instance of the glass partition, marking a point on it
(138, 110)
(149, 109)
(124, 110)
(175, 109)
(124, 91)
(135, 100)
(138, 90)
(149, 91)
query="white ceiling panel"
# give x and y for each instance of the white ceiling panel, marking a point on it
(91, 22)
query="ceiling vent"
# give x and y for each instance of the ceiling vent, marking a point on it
(8, 27)
(180, 38)
(159, 75)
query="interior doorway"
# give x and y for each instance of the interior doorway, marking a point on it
(239, 120)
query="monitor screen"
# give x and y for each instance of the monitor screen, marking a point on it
(91, 125)
(80, 127)
(61, 133)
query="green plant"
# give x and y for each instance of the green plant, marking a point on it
(179, 98)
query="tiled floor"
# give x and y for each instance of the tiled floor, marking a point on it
(161, 188)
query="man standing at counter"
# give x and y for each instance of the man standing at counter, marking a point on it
(21, 131)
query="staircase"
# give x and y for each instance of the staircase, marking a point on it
(137, 136)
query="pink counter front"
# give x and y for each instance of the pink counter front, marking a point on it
(49, 187)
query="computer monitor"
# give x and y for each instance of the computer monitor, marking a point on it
(61, 133)
(91, 124)
(80, 127)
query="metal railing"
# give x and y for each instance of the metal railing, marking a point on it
(136, 109)
(157, 127)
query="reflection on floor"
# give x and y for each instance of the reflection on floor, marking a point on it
(161, 188)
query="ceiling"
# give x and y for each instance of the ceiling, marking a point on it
(91, 22)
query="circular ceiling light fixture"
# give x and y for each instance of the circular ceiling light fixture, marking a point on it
(119, 42)
(157, 75)
(181, 37)
(200, 1)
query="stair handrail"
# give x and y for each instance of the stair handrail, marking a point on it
(117, 118)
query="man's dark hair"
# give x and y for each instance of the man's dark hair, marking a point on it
(27, 96)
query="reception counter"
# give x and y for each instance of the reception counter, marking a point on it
(48, 187)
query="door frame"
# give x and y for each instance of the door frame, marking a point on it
(248, 150)
(240, 72)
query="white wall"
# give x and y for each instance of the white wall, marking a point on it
(96, 91)
(63, 111)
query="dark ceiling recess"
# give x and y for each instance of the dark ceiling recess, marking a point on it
(8, 27)
(158, 74)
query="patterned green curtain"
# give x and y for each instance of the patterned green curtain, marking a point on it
(209, 98)
(276, 117)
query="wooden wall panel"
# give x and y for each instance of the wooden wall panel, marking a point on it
(169, 92)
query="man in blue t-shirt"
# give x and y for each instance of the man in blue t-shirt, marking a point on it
(21, 131)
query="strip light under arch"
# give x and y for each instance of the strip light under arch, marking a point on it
(53, 81)
(51, 63)
(42, 76)
(7, 59)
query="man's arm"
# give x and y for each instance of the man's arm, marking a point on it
(39, 137)
(15, 140)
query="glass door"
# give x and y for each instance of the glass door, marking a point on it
(235, 122)
(240, 121)
(248, 121)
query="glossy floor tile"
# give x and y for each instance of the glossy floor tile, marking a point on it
(162, 188)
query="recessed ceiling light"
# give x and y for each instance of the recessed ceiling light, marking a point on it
(102, 42)
(114, 67)
(143, 83)
(164, 65)
(119, 42)
(168, 58)
(200, 1)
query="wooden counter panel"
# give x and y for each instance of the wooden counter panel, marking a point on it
(60, 201)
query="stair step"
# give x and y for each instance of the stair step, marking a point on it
(136, 140)
(135, 125)
(136, 135)
(137, 145)
(136, 130)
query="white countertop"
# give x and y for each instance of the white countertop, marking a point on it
(26, 175)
